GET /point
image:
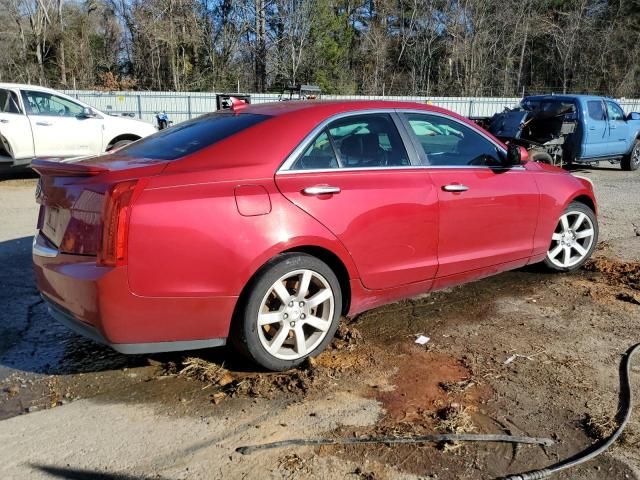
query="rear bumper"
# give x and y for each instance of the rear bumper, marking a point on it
(86, 330)
(96, 302)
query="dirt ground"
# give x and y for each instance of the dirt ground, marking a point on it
(523, 353)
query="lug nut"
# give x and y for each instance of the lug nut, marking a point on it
(286, 315)
(292, 324)
(302, 304)
(302, 315)
(291, 304)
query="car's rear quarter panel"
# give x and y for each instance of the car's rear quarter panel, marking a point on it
(192, 240)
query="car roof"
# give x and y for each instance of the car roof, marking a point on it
(25, 86)
(566, 97)
(334, 107)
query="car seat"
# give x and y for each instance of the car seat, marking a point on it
(362, 150)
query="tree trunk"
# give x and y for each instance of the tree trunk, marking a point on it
(261, 47)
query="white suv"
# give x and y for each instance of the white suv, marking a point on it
(40, 122)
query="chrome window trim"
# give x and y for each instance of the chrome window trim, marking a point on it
(405, 167)
(285, 167)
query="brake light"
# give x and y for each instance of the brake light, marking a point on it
(115, 224)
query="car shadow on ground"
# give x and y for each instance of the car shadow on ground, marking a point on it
(17, 174)
(578, 168)
(81, 474)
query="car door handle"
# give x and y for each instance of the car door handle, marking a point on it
(592, 128)
(455, 187)
(43, 124)
(612, 126)
(4, 120)
(321, 190)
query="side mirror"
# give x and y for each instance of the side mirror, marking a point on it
(516, 155)
(87, 113)
(633, 116)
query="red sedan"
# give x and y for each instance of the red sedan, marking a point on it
(264, 225)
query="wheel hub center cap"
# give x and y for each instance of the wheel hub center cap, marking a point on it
(568, 238)
(294, 313)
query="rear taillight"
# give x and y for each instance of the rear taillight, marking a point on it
(115, 228)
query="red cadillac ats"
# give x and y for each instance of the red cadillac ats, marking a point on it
(264, 225)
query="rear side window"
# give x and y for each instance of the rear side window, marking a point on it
(189, 137)
(596, 112)
(356, 141)
(9, 102)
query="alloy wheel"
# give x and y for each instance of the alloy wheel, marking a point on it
(295, 314)
(572, 239)
(635, 155)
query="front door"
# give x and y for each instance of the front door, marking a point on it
(357, 179)
(596, 130)
(618, 130)
(488, 213)
(58, 128)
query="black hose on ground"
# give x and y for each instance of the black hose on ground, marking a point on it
(445, 437)
(626, 403)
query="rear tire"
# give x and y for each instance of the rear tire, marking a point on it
(291, 312)
(632, 161)
(573, 240)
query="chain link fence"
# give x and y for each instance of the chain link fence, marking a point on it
(181, 106)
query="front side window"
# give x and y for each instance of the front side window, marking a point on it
(9, 102)
(595, 109)
(446, 142)
(46, 104)
(614, 111)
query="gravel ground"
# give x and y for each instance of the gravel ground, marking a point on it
(73, 409)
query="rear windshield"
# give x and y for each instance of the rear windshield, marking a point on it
(191, 136)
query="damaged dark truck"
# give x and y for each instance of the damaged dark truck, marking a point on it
(566, 129)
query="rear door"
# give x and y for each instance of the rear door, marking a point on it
(618, 130)
(596, 132)
(14, 127)
(58, 129)
(355, 176)
(488, 213)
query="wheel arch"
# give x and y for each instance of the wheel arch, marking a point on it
(335, 263)
(4, 143)
(586, 200)
(125, 136)
(327, 256)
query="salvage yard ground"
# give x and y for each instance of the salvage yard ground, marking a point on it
(524, 353)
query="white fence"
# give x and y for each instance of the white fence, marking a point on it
(181, 106)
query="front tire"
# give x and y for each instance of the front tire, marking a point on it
(573, 240)
(292, 311)
(632, 161)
